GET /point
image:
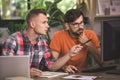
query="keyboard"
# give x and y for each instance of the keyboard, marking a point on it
(99, 69)
(114, 71)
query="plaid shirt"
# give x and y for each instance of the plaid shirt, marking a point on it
(19, 44)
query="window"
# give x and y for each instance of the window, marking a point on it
(17, 9)
(64, 5)
(13, 9)
(0, 8)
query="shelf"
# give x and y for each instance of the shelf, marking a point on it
(105, 16)
(98, 16)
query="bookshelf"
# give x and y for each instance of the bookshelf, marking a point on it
(107, 9)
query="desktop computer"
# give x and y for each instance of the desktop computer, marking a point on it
(110, 44)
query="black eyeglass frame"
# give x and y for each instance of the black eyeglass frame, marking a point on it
(76, 25)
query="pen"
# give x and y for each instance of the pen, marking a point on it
(86, 42)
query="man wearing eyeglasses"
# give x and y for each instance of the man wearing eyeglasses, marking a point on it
(75, 34)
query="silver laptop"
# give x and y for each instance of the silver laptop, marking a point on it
(14, 66)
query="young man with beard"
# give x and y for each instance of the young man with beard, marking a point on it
(32, 42)
(75, 34)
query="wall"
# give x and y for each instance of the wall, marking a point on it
(97, 27)
(98, 22)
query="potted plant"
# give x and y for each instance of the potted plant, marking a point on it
(14, 27)
(1, 33)
(1, 43)
(55, 15)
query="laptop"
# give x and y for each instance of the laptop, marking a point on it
(14, 66)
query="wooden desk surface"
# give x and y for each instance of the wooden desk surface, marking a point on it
(103, 75)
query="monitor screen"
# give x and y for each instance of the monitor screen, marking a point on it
(110, 40)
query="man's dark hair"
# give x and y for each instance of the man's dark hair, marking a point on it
(33, 13)
(72, 14)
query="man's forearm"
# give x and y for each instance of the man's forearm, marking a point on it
(96, 54)
(60, 62)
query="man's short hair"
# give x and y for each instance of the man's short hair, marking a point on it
(33, 13)
(72, 14)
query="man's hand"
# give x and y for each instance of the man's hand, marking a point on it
(35, 72)
(83, 38)
(75, 50)
(70, 69)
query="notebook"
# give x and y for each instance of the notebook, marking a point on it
(14, 66)
(48, 74)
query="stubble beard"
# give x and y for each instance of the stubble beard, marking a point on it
(77, 33)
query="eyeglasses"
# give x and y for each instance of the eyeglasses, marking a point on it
(76, 25)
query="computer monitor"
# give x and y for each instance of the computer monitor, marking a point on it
(110, 40)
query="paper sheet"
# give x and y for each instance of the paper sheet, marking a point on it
(80, 77)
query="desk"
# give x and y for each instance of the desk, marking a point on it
(103, 75)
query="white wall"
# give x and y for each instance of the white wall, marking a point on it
(97, 27)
